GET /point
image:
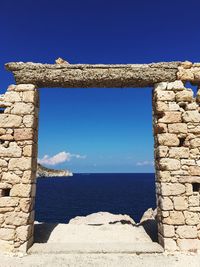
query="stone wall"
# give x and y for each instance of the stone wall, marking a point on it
(177, 159)
(18, 163)
(176, 123)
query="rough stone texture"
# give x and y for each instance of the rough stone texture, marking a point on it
(23, 163)
(180, 203)
(167, 139)
(10, 121)
(62, 75)
(187, 231)
(177, 153)
(169, 164)
(18, 154)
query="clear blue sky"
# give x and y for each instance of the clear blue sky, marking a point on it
(99, 130)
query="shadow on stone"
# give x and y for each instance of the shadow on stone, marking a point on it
(42, 232)
(151, 228)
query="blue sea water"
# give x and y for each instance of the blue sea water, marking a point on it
(61, 198)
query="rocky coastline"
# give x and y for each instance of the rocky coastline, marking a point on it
(47, 172)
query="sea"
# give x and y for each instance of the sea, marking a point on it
(60, 199)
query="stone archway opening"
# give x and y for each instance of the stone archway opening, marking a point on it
(176, 120)
(120, 200)
(118, 135)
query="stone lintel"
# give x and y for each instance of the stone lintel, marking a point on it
(100, 75)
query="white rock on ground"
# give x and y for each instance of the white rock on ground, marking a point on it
(149, 214)
(101, 218)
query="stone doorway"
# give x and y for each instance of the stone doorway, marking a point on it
(176, 134)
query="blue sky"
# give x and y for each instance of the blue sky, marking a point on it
(97, 130)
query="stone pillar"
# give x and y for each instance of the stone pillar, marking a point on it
(177, 161)
(18, 162)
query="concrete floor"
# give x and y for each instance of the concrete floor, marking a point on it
(68, 238)
(105, 246)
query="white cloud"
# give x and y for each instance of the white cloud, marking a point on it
(145, 163)
(59, 158)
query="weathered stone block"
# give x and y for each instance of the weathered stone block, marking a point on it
(194, 154)
(185, 74)
(192, 106)
(7, 137)
(10, 121)
(20, 163)
(7, 234)
(194, 201)
(173, 106)
(172, 189)
(28, 177)
(24, 87)
(195, 129)
(180, 203)
(26, 204)
(195, 142)
(3, 163)
(24, 232)
(21, 190)
(10, 177)
(21, 108)
(6, 210)
(175, 218)
(12, 151)
(191, 218)
(166, 203)
(168, 230)
(170, 117)
(164, 95)
(162, 151)
(176, 85)
(188, 188)
(191, 116)
(161, 106)
(8, 202)
(29, 121)
(163, 176)
(167, 164)
(167, 139)
(194, 209)
(187, 231)
(23, 134)
(2, 131)
(179, 152)
(17, 218)
(188, 162)
(185, 96)
(29, 96)
(189, 179)
(177, 128)
(12, 97)
(194, 170)
(160, 128)
(28, 151)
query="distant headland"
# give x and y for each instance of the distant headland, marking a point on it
(46, 172)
